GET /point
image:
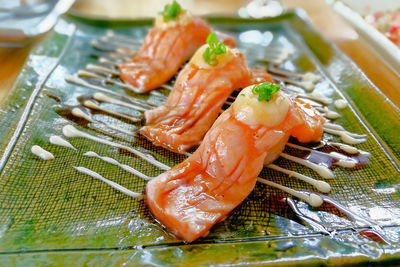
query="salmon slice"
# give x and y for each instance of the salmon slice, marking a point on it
(201, 191)
(164, 50)
(195, 102)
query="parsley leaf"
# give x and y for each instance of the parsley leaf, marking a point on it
(171, 11)
(265, 91)
(215, 48)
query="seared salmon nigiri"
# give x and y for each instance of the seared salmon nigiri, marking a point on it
(201, 89)
(174, 38)
(201, 191)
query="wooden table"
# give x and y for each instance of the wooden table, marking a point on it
(331, 25)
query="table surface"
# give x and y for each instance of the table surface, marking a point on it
(326, 21)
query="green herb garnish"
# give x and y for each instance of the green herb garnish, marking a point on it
(171, 11)
(215, 48)
(265, 91)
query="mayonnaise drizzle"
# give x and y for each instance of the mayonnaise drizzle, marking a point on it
(95, 67)
(80, 113)
(93, 105)
(108, 47)
(320, 169)
(85, 73)
(316, 96)
(312, 199)
(133, 44)
(105, 180)
(107, 61)
(77, 112)
(41, 153)
(340, 128)
(320, 185)
(308, 85)
(106, 98)
(345, 136)
(340, 103)
(71, 132)
(79, 81)
(327, 113)
(308, 76)
(115, 162)
(110, 34)
(59, 141)
(347, 148)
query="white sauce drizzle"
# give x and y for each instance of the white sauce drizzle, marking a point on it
(122, 56)
(340, 104)
(77, 112)
(59, 141)
(323, 171)
(308, 85)
(345, 136)
(94, 67)
(105, 98)
(79, 81)
(312, 199)
(41, 153)
(316, 97)
(110, 183)
(329, 114)
(110, 46)
(110, 35)
(308, 76)
(119, 43)
(122, 38)
(340, 128)
(320, 185)
(107, 61)
(128, 52)
(93, 105)
(71, 132)
(347, 148)
(85, 73)
(80, 113)
(115, 162)
(343, 160)
(276, 56)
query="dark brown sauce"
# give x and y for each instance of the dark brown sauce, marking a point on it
(277, 204)
(374, 235)
(83, 98)
(329, 207)
(361, 158)
(66, 112)
(56, 98)
(130, 119)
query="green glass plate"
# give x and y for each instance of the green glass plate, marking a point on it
(52, 215)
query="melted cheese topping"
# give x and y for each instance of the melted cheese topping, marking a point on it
(222, 60)
(184, 18)
(249, 110)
